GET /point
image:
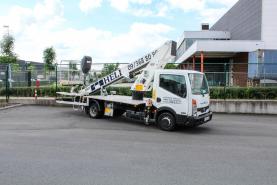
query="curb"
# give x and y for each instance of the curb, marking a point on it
(259, 107)
(33, 101)
(11, 106)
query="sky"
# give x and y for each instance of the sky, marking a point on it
(106, 30)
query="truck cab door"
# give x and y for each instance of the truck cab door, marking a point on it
(170, 92)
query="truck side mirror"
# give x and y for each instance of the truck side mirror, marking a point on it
(159, 99)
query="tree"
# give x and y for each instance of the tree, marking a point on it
(49, 57)
(8, 59)
(109, 68)
(7, 46)
(31, 67)
(15, 67)
(170, 66)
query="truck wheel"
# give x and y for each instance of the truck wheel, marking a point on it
(94, 111)
(166, 121)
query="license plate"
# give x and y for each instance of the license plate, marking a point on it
(207, 118)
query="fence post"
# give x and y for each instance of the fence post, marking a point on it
(7, 84)
(225, 79)
(56, 71)
(264, 84)
(29, 75)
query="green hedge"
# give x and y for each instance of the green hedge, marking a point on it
(221, 93)
(30, 91)
(244, 93)
(125, 91)
(216, 93)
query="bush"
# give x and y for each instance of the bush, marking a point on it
(244, 93)
(125, 91)
(215, 92)
(8, 59)
(220, 92)
(30, 91)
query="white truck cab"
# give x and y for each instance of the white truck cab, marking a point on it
(184, 94)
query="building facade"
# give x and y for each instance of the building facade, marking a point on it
(240, 49)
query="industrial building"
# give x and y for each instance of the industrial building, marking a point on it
(240, 49)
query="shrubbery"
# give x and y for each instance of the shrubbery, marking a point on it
(30, 91)
(221, 93)
(216, 92)
(244, 93)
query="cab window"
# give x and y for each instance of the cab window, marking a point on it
(175, 84)
(198, 83)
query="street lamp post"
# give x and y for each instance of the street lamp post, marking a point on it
(8, 29)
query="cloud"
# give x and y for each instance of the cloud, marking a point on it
(227, 3)
(121, 5)
(88, 5)
(48, 13)
(143, 2)
(105, 46)
(187, 5)
(142, 12)
(211, 15)
(30, 26)
(150, 8)
(203, 8)
(162, 10)
(43, 25)
(36, 28)
(140, 8)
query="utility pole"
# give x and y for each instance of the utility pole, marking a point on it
(8, 29)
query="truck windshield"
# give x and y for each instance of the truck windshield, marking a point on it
(198, 83)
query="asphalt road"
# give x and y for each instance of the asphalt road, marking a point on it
(56, 146)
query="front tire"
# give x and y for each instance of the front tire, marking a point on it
(166, 121)
(94, 111)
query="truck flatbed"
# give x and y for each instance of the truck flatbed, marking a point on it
(109, 98)
(118, 99)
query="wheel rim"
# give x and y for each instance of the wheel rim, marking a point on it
(166, 122)
(93, 111)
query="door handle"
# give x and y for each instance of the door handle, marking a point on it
(159, 99)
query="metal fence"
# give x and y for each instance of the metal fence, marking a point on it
(218, 74)
(238, 74)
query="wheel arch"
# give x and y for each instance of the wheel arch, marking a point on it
(163, 110)
(99, 104)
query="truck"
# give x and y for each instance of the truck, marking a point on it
(178, 97)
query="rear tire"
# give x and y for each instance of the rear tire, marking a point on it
(94, 111)
(166, 121)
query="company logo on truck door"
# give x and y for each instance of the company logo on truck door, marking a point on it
(106, 80)
(171, 100)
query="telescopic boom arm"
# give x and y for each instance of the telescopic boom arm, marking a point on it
(155, 60)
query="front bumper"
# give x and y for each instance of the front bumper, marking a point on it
(204, 118)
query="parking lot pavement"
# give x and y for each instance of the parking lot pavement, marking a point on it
(50, 145)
